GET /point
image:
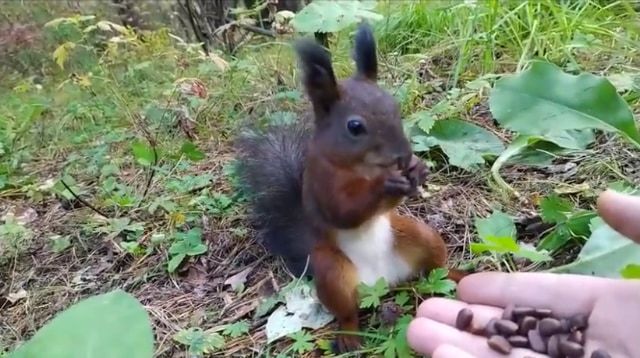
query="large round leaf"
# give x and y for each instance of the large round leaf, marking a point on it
(333, 16)
(111, 325)
(543, 101)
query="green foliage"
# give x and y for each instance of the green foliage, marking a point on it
(236, 329)
(60, 243)
(143, 153)
(302, 342)
(191, 151)
(606, 253)
(498, 236)
(333, 16)
(569, 222)
(544, 103)
(108, 325)
(436, 283)
(465, 144)
(199, 342)
(370, 295)
(185, 244)
(630, 271)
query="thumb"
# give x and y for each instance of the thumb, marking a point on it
(449, 351)
(621, 212)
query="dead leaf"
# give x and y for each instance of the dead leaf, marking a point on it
(302, 309)
(237, 281)
(15, 297)
(219, 61)
(572, 188)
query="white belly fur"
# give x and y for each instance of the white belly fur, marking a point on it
(371, 250)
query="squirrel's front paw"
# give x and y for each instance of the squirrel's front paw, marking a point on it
(416, 172)
(397, 185)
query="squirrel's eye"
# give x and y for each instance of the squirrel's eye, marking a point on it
(356, 127)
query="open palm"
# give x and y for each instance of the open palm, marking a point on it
(613, 306)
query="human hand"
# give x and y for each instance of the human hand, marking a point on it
(613, 306)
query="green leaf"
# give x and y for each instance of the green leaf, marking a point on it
(554, 209)
(370, 295)
(606, 253)
(464, 143)
(302, 342)
(424, 120)
(630, 271)
(436, 283)
(504, 244)
(175, 261)
(333, 16)
(143, 153)
(577, 226)
(498, 224)
(402, 298)
(191, 151)
(236, 329)
(544, 101)
(60, 243)
(109, 325)
(199, 342)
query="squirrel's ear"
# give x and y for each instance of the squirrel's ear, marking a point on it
(365, 52)
(318, 76)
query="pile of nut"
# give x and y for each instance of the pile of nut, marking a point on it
(535, 329)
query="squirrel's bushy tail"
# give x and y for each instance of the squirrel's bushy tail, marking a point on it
(270, 168)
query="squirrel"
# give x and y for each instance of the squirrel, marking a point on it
(324, 195)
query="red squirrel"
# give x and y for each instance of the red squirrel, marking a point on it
(328, 190)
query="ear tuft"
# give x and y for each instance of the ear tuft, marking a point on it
(365, 52)
(318, 76)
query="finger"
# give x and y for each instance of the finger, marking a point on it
(565, 294)
(426, 336)
(621, 212)
(449, 351)
(446, 311)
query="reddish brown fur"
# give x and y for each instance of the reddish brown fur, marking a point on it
(336, 282)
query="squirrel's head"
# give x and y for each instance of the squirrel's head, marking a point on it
(357, 122)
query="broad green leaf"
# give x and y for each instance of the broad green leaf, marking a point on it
(605, 254)
(554, 209)
(544, 101)
(630, 271)
(191, 151)
(503, 244)
(175, 261)
(333, 16)
(498, 224)
(143, 153)
(464, 143)
(109, 325)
